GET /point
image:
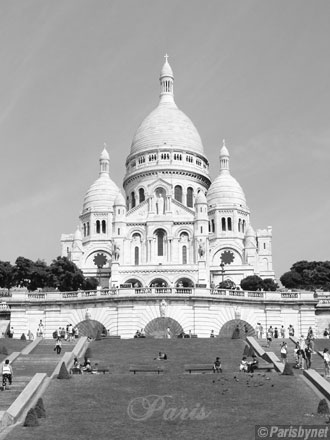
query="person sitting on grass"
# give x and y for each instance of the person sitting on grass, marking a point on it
(88, 367)
(253, 365)
(161, 357)
(76, 369)
(217, 366)
(243, 365)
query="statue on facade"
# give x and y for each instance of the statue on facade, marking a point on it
(160, 204)
(201, 249)
(162, 308)
(117, 252)
(88, 314)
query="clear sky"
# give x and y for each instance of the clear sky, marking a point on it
(76, 74)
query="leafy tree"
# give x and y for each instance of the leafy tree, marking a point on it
(252, 282)
(6, 274)
(39, 275)
(269, 284)
(22, 272)
(90, 283)
(309, 275)
(65, 275)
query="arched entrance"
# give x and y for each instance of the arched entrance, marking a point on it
(158, 328)
(236, 329)
(91, 328)
(134, 282)
(158, 282)
(184, 282)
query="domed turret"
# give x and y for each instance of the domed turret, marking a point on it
(103, 191)
(119, 200)
(225, 190)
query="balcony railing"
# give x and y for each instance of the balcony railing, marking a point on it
(22, 295)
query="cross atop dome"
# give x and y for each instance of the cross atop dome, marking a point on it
(166, 58)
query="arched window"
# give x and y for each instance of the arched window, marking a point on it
(243, 226)
(229, 223)
(84, 229)
(213, 228)
(98, 226)
(88, 232)
(190, 197)
(239, 225)
(223, 223)
(136, 255)
(141, 195)
(133, 200)
(209, 226)
(184, 254)
(160, 242)
(104, 226)
(178, 193)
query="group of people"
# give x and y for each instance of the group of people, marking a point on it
(67, 333)
(249, 366)
(303, 351)
(140, 333)
(273, 332)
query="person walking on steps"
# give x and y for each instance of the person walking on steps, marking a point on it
(58, 346)
(7, 373)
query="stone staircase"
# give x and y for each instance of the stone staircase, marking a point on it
(43, 359)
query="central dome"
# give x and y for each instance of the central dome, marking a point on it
(167, 126)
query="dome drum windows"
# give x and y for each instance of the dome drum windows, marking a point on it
(226, 224)
(141, 195)
(152, 157)
(141, 160)
(165, 156)
(177, 156)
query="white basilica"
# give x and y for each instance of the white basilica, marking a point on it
(174, 227)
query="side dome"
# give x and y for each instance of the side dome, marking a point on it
(225, 190)
(119, 200)
(102, 193)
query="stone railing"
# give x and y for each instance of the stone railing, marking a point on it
(214, 293)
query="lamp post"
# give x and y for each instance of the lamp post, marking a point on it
(222, 265)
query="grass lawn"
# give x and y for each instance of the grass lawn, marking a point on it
(11, 346)
(199, 406)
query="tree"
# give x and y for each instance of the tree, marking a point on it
(22, 272)
(39, 275)
(252, 282)
(65, 275)
(309, 275)
(90, 283)
(291, 279)
(6, 274)
(269, 285)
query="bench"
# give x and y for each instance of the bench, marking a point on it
(198, 367)
(146, 369)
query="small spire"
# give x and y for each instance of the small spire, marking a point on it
(166, 82)
(224, 157)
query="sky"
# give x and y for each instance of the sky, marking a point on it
(77, 74)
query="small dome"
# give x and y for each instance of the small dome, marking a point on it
(77, 234)
(225, 190)
(201, 198)
(119, 200)
(250, 232)
(101, 194)
(104, 155)
(166, 70)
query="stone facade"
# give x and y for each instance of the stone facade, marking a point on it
(174, 227)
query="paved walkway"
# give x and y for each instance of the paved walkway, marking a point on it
(43, 359)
